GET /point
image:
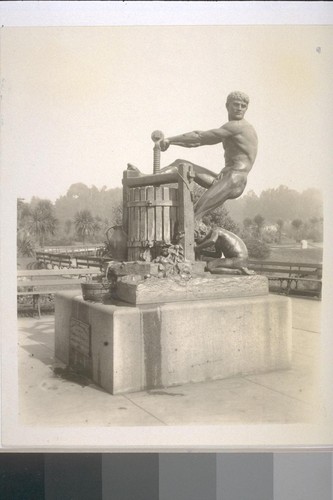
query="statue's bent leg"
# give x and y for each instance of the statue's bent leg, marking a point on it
(225, 266)
(204, 177)
(230, 263)
(230, 186)
(229, 266)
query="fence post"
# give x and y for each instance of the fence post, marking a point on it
(186, 212)
(125, 199)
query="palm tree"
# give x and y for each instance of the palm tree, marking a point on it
(42, 221)
(23, 214)
(84, 224)
(25, 247)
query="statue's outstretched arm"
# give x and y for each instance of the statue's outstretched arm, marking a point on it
(198, 138)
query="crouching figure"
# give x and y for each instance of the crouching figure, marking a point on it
(230, 255)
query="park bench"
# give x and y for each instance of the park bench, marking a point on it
(44, 282)
(285, 277)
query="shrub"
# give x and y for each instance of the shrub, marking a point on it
(270, 235)
(257, 249)
(220, 218)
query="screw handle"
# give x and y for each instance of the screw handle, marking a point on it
(157, 136)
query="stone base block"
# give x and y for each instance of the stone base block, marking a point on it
(137, 291)
(131, 348)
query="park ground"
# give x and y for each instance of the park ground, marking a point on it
(288, 396)
(294, 253)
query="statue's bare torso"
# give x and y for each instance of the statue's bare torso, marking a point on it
(240, 148)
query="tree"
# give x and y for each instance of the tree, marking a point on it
(257, 248)
(117, 214)
(220, 218)
(42, 221)
(247, 223)
(297, 224)
(77, 190)
(310, 204)
(97, 224)
(23, 214)
(259, 222)
(101, 203)
(25, 247)
(251, 203)
(279, 225)
(278, 203)
(315, 230)
(24, 244)
(68, 226)
(84, 224)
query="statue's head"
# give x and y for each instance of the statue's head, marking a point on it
(238, 96)
(200, 230)
(237, 104)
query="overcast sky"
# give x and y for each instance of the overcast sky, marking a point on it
(80, 103)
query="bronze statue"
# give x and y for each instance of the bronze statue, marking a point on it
(226, 243)
(239, 141)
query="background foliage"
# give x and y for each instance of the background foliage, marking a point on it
(83, 215)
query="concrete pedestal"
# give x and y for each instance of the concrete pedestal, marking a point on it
(127, 348)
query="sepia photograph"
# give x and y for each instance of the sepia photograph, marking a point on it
(164, 191)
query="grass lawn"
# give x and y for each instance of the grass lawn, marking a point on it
(289, 254)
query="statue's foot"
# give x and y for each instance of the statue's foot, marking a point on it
(228, 270)
(247, 271)
(133, 168)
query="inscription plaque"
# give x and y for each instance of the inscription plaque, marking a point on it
(80, 336)
(80, 346)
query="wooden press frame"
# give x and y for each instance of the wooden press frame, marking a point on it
(184, 179)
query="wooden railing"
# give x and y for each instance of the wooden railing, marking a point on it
(51, 259)
(291, 277)
(284, 277)
(61, 261)
(71, 249)
(87, 262)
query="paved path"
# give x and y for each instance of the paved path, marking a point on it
(287, 396)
